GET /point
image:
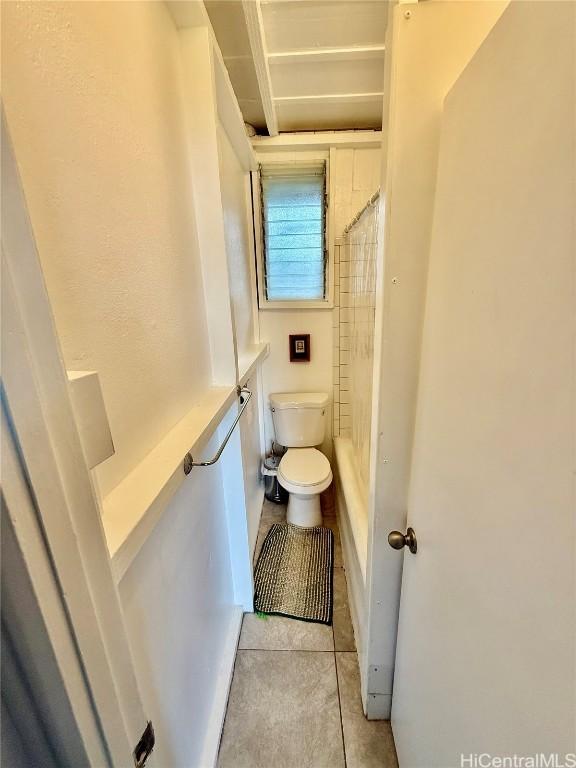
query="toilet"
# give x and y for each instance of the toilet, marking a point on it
(299, 422)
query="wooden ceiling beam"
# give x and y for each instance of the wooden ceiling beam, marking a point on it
(329, 54)
(318, 140)
(255, 27)
(328, 98)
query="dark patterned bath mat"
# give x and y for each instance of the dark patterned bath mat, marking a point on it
(293, 575)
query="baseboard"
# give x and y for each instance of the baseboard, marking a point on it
(354, 578)
(356, 588)
(258, 505)
(379, 706)
(223, 683)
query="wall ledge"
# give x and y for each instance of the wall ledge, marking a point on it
(250, 359)
(132, 509)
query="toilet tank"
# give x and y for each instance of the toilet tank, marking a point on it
(299, 418)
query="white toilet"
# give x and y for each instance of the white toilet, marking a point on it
(299, 422)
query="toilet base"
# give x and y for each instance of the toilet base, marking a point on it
(303, 510)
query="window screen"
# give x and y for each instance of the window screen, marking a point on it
(293, 216)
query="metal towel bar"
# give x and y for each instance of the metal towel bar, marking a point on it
(189, 462)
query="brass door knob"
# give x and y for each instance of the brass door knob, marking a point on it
(398, 540)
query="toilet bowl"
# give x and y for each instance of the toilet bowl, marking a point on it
(304, 473)
(299, 421)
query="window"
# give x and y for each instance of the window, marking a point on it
(293, 232)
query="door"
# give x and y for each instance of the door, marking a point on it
(486, 645)
(66, 613)
(47, 717)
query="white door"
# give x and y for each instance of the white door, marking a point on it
(486, 645)
(66, 615)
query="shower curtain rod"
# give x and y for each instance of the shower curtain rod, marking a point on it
(356, 218)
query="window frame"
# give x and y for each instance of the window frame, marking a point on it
(263, 302)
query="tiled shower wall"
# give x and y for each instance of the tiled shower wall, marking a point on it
(353, 328)
(356, 176)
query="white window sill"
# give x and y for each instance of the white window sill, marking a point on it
(265, 305)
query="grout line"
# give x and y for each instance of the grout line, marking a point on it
(339, 698)
(286, 650)
(338, 689)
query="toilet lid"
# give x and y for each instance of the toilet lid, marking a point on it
(304, 466)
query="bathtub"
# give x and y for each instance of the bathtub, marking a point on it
(352, 511)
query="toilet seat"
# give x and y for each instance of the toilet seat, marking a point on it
(305, 471)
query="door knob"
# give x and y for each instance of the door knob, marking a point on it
(398, 540)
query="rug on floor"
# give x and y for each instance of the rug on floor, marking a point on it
(293, 574)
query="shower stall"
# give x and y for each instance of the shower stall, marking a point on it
(356, 296)
(360, 247)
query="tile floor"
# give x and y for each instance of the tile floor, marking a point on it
(295, 695)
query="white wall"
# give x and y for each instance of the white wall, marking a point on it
(92, 93)
(280, 375)
(233, 181)
(355, 177)
(94, 97)
(250, 435)
(237, 210)
(176, 599)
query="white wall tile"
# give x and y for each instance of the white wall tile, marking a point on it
(357, 297)
(345, 384)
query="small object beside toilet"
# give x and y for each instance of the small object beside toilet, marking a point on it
(273, 491)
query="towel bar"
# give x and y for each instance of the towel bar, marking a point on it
(189, 462)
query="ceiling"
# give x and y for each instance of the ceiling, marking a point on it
(304, 65)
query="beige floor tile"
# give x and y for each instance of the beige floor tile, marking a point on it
(262, 532)
(338, 559)
(343, 632)
(277, 633)
(327, 502)
(367, 743)
(283, 712)
(332, 523)
(275, 513)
